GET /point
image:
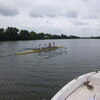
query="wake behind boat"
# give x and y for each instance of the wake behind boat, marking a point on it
(85, 87)
(39, 50)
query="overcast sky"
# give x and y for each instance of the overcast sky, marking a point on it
(70, 17)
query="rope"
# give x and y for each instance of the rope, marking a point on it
(90, 87)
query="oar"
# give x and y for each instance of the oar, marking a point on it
(35, 48)
(7, 55)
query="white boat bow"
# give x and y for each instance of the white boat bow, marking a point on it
(85, 87)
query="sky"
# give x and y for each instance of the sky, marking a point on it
(69, 17)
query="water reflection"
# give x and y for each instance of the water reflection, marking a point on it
(51, 53)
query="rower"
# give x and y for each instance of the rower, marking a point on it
(40, 47)
(49, 46)
(54, 44)
(45, 46)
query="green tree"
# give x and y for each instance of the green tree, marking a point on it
(63, 36)
(74, 37)
(33, 35)
(41, 35)
(48, 36)
(11, 33)
(24, 35)
(55, 37)
(2, 34)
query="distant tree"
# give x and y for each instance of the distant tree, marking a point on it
(41, 36)
(97, 37)
(56, 37)
(2, 34)
(24, 35)
(48, 36)
(11, 33)
(33, 35)
(74, 37)
(63, 36)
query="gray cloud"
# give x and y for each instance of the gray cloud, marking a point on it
(35, 15)
(71, 14)
(41, 14)
(85, 0)
(90, 17)
(81, 23)
(8, 11)
(52, 15)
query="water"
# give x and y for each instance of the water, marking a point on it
(38, 76)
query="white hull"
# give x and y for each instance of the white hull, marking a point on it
(85, 87)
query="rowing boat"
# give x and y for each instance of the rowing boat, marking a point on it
(84, 87)
(39, 50)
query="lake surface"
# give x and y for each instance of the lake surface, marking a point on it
(39, 76)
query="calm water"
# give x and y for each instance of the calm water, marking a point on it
(38, 76)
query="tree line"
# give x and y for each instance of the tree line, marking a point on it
(13, 33)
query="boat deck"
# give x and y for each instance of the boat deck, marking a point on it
(82, 91)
